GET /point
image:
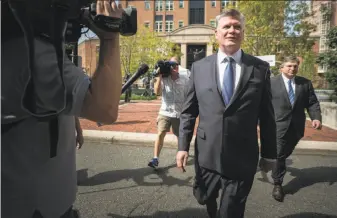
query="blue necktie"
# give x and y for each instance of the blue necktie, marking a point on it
(291, 93)
(228, 82)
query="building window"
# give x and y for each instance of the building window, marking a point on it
(147, 24)
(197, 16)
(213, 4)
(212, 23)
(322, 44)
(181, 3)
(224, 3)
(159, 26)
(168, 23)
(159, 5)
(147, 5)
(325, 27)
(181, 23)
(234, 3)
(158, 23)
(169, 5)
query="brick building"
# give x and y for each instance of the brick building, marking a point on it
(323, 25)
(187, 23)
(190, 24)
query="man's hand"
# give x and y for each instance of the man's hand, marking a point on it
(316, 124)
(104, 7)
(79, 140)
(182, 157)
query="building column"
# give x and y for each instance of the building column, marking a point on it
(209, 49)
(183, 59)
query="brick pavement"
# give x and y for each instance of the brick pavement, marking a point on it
(140, 117)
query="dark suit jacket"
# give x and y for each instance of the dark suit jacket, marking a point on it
(285, 114)
(226, 140)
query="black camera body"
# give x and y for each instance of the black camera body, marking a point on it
(45, 18)
(164, 68)
(126, 26)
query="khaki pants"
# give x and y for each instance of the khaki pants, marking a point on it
(164, 124)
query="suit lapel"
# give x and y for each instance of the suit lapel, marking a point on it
(215, 77)
(284, 89)
(246, 72)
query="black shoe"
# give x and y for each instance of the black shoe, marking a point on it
(278, 193)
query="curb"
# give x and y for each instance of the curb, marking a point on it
(148, 139)
(128, 138)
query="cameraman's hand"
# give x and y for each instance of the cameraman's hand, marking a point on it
(103, 7)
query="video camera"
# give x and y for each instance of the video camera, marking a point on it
(48, 17)
(126, 26)
(164, 68)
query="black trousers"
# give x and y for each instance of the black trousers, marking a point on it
(233, 197)
(70, 213)
(285, 147)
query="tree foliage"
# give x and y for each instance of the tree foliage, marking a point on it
(264, 26)
(307, 68)
(145, 47)
(275, 28)
(297, 39)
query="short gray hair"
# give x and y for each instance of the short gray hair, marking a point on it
(291, 58)
(232, 13)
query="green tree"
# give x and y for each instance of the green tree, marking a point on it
(329, 59)
(297, 30)
(275, 28)
(145, 47)
(264, 26)
(307, 68)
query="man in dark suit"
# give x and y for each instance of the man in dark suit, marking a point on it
(291, 96)
(230, 92)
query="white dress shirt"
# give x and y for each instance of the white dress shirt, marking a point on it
(286, 80)
(222, 64)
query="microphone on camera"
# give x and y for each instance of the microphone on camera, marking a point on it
(141, 70)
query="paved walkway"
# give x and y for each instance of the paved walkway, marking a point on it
(140, 117)
(115, 182)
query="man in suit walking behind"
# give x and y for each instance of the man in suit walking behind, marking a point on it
(230, 92)
(291, 96)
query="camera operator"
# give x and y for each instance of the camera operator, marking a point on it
(173, 91)
(35, 184)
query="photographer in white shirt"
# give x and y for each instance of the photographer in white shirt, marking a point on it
(173, 90)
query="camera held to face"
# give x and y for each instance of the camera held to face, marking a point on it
(164, 68)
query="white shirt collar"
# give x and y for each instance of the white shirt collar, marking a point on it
(285, 79)
(236, 56)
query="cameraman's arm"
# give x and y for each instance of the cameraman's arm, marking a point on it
(157, 85)
(102, 99)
